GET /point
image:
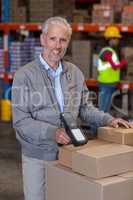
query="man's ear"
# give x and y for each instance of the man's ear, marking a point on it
(42, 39)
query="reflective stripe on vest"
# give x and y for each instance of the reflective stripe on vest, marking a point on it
(106, 73)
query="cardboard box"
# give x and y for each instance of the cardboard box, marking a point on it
(63, 184)
(102, 13)
(106, 160)
(127, 14)
(81, 55)
(127, 175)
(117, 135)
(116, 4)
(65, 153)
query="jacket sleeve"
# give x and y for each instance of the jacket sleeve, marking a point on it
(23, 122)
(108, 57)
(91, 114)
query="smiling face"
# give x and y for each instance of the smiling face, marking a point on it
(55, 43)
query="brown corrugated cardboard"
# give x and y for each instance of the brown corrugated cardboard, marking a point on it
(116, 4)
(117, 135)
(106, 160)
(63, 184)
(127, 175)
(102, 13)
(65, 153)
(81, 55)
(40, 10)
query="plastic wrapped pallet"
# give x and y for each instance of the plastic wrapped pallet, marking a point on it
(23, 52)
(102, 14)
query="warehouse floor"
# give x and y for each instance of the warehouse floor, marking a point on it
(10, 165)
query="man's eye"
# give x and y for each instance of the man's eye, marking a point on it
(63, 40)
(52, 38)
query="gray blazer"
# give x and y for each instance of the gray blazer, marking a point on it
(36, 111)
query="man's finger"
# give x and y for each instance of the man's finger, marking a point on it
(64, 139)
(124, 124)
(118, 122)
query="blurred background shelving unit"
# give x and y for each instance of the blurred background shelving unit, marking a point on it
(26, 28)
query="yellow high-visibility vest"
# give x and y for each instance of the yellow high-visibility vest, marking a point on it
(106, 74)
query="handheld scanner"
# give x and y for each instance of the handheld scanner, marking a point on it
(76, 134)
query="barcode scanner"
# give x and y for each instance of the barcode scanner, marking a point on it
(76, 134)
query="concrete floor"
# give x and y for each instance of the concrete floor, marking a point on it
(10, 165)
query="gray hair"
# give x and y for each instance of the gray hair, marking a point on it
(56, 20)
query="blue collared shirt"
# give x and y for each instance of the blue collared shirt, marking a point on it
(57, 83)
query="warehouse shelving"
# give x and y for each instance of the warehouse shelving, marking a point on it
(6, 28)
(85, 27)
(5, 10)
(99, 27)
(87, 1)
(122, 85)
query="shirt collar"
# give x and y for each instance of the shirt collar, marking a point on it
(47, 67)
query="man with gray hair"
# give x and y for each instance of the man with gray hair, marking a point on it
(42, 90)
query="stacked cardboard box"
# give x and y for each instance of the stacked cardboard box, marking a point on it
(18, 13)
(81, 55)
(86, 172)
(104, 161)
(65, 153)
(64, 8)
(63, 184)
(42, 9)
(102, 14)
(98, 159)
(117, 135)
(81, 16)
(116, 4)
(128, 54)
(127, 15)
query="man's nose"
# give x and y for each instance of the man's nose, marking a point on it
(58, 44)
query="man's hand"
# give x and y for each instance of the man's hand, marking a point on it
(61, 136)
(118, 122)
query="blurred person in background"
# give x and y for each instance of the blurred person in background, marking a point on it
(109, 67)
